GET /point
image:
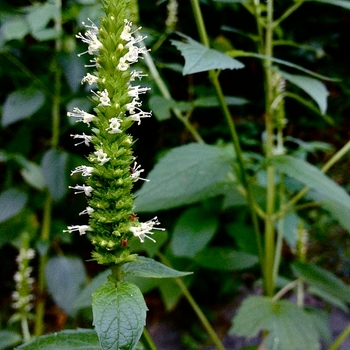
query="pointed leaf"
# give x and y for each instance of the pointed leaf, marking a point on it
(80, 339)
(199, 58)
(225, 259)
(147, 267)
(119, 313)
(193, 231)
(64, 277)
(12, 202)
(312, 177)
(323, 280)
(21, 104)
(33, 176)
(316, 89)
(185, 175)
(54, 169)
(283, 319)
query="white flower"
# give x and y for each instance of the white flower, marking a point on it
(136, 74)
(103, 97)
(84, 117)
(88, 211)
(101, 157)
(91, 39)
(83, 169)
(127, 33)
(90, 79)
(82, 189)
(92, 27)
(136, 117)
(94, 63)
(144, 228)
(114, 124)
(136, 172)
(135, 91)
(123, 65)
(81, 228)
(86, 139)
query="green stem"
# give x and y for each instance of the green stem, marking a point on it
(213, 75)
(147, 341)
(286, 14)
(341, 338)
(25, 329)
(209, 329)
(285, 290)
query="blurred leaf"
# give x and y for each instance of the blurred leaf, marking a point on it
(21, 104)
(281, 318)
(161, 107)
(9, 339)
(193, 231)
(79, 339)
(312, 177)
(225, 259)
(147, 267)
(54, 170)
(83, 298)
(199, 58)
(64, 278)
(244, 236)
(14, 29)
(323, 280)
(212, 101)
(73, 70)
(170, 293)
(330, 299)
(33, 176)
(12, 201)
(185, 175)
(342, 3)
(313, 87)
(119, 313)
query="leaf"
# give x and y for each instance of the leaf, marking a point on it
(283, 319)
(342, 3)
(73, 69)
(9, 339)
(311, 86)
(185, 175)
(80, 339)
(33, 176)
(323, 280)
(147, 267)
(14, 29)
(161, 107)
(199, 58)
(119, 313)
(12, 201)
(54, 169)
(212, 101)
(21, 104)
(193, 231)
(312, 177)
(225, 259)
(64, 277)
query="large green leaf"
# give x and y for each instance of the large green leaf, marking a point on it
(316, 89)
(14, 29)
(185, 175)
(193, 231)
(226, 259)
(9, 338)
(12, 202)
(32, 174)
(80, 339)
(199, 58)
(147, 267)
(289, 326)
(323, 280)
(21, 104)
(64, 278)
(119, 315)
(312, 177)
(54, 170)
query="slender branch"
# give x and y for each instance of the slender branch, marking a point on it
(286, 14)
(147, 340)
(285, 290)
(341, 338)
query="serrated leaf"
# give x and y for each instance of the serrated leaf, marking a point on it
(14, 29)
(312, 177)
(32, 174)
(12, 201)
(313, 87)
(193, 231)
(281, 318)
(185, 175)
(147, 267)
(323, 280)
(9, 339)
(119, 313)
(199, 58)
(21, 104)
(80, 339)
(64, 278)
(225, 259)
(54, 169)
